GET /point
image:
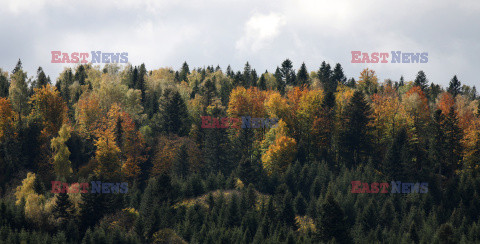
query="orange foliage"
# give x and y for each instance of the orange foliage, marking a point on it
(445, 103)
(167, 151)
(49, 106)
(88, 114)
(7, 116)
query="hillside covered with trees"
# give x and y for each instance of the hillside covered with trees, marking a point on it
(186, 184)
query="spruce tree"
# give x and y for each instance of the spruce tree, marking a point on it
(4, 84)
(302, 76)
(454, 87)
(453, 137)
(288, 74)
(325, 76)
(81, 74)
(181, 167)
(338, 75)
(421, 80)
(184, 72)
(41, 78)
(355, 137)
(332, 221)
(63, 207)
(140, 83)
(262, 84)
(280, 82)
(173, 113)
(300, 204)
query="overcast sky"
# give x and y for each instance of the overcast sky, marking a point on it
(164, 33)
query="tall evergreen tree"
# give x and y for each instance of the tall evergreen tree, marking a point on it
(140, 84)
(454, 86)
(325, 76)
(338, 75)
(279, 80)
(41, 78)
(4, 84)
(81, 74)
(288, 74)
(247, 75)
(262, 84)
(421, 80)
(184, 72)
(332, 222)
(397, 157)
(401, 82)
(181, 167)
(354, 138)
(63, 207)
(173, 115)
(302, 76)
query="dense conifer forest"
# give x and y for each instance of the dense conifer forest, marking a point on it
(286, 183)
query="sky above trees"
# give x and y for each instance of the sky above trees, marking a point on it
(264, 33)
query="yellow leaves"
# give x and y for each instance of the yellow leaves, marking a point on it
(277, 106)
(34, 203)
(247, 102)
(88, 114)
(107, 155)
(49, 106)
(280, 154)
(26, 188)
(386, 114)
(368, 81)
(61, 162)
(305, 225)
(342, 98)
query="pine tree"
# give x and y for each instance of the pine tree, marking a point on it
(18, 67)
(287, 213)
(63, 207)
(247, 75)
(280, 82)
(332, 222)
(41, 78)
(453, 137)
(173, 115)
(262, 84)
(300, 204)
(288, 74)
(184, 72)
(325, 76)
(338, 75)
(254, 77)
(81, 74)
(421, 80)
(140, 84)
(454, 86)
(401, 82)
(181, 167)
(4, 84)
(302, 76)
(354, 138)
(397, 157)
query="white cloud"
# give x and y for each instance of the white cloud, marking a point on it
(259, 31)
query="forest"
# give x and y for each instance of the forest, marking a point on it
(134, 138)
